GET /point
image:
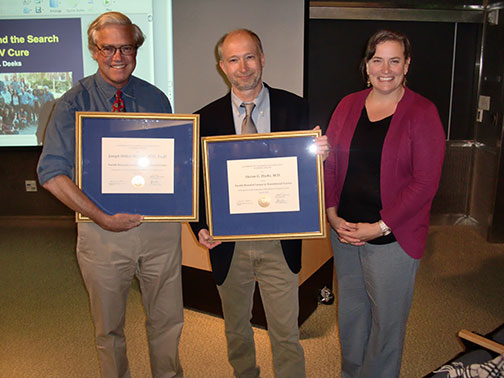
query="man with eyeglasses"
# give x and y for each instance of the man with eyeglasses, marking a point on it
(114, 248)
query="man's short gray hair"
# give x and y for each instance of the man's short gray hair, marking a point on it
(112, 18)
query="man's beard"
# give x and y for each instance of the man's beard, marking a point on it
(246, 86)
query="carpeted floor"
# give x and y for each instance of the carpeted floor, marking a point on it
(46, 329)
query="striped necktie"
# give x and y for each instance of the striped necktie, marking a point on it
(248, 126)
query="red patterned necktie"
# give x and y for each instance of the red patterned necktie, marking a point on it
(118, 105)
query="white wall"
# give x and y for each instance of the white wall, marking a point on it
(198, 25)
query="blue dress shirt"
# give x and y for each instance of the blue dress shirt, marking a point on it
(260, 115)
(91, 93)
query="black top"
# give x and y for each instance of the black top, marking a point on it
(360, 199)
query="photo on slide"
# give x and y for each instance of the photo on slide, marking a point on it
(27, 99)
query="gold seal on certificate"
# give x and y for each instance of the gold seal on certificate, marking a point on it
(264, 201)
(138, 181)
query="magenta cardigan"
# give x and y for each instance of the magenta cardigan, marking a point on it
(412, 159)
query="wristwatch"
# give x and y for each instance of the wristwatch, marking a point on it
(384, 228)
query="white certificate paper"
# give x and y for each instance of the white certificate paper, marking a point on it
(263, 185)
(138, 165)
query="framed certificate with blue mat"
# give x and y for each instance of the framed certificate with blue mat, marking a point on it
(264, 186)
(139, 163)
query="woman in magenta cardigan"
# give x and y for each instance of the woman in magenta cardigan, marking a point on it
(388, 148)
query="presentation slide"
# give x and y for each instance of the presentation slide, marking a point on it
(43, 53)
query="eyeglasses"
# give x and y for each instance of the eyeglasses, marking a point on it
(108, 51)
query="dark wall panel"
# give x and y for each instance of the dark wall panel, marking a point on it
(465, 85)
(16, 166)
(336, 47)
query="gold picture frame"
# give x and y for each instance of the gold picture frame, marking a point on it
(164, 148)
(264, 186)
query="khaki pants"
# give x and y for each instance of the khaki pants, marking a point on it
(108, 262)
(265, 261)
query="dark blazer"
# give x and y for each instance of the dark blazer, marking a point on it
(288, 113)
